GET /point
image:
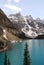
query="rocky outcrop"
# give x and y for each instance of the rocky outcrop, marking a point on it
(31, 28)
(4, 21)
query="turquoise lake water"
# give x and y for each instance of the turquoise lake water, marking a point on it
(16, 54)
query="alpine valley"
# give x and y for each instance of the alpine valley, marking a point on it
(17, 27)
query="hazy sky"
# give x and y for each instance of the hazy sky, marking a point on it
(26, 7)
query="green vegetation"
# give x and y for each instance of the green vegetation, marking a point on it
(1, 45)
(26, 56)
(6, 60)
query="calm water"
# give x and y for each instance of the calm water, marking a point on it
(16, 55)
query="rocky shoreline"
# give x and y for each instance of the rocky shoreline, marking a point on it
(8, 46)
(1, 50)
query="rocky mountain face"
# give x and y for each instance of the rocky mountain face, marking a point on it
(29, 26)
(18, 20)
(25, 25)
(6, 26)
(4, 21)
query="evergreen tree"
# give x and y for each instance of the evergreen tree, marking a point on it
(5, 59)
(8, 62)
(26, 56)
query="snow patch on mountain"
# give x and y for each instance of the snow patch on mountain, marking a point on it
(4, 34)
(31, 27)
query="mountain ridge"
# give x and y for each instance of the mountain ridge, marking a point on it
(36, 27)
(22, 24)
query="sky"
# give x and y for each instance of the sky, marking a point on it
(26, 7)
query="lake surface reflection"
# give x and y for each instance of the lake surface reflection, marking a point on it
(16, 55)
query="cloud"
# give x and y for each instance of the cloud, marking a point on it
(12, 7)
(9, 1)
(17, 1)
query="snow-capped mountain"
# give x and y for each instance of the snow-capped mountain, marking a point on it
(31, 27)
(18, 20)
(22, 24)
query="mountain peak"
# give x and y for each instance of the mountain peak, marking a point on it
(1, 11)
(16, 14)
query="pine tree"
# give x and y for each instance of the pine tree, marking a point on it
(26, 56)
(8, 62)
(5, 59)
